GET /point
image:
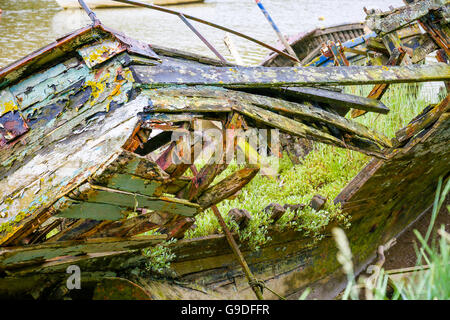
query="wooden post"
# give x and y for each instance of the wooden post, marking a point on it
(232, 48)
(237, 253)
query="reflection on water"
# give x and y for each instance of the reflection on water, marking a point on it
(27, 25)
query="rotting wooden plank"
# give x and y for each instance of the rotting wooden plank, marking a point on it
(216, 164)
(242, 77)
(191, 98)
(155, 118)
(133, 173)
(336, 99)
(297, 128)
(101, 195)
(134, 226)
(94, 211)
(62, 175)
(426, 45)
(77, 230)
(227, 187)
(39, 87)
(391, 21)
(170, 160)
(309, 112)
(131, 183)
(423, 120)
(13, 257)
(100, 51)
(100, 98)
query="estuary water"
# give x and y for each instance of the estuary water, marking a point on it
(27, 25)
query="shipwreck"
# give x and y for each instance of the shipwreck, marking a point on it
(79, 117)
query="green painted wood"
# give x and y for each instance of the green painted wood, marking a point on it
(131, 183)
(98, 194)
(244, 77)
(14, 256)
(93, 211)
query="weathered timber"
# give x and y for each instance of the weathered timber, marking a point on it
(391, 21)
(14, 257)
(378, 91)
(275, 210)
(100, 195)
(333, 98)
(93, 211)
(85, 160)
(132, 173)
(133, 226)
(216, 164)
(297, 128)
(250, 77)
(226, 187)
(240, 216)
(84, 154)
(423, 120)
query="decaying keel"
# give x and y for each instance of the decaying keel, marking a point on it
(80, 118)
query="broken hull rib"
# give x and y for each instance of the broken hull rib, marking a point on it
(76, 122)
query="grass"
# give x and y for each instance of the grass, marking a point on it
(325, 171)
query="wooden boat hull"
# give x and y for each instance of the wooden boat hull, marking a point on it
(95, 4)
(382, 201)
(79, 185)
(308, 44)
(356, 36)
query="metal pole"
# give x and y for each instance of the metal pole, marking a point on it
(89, 12)
(170, 11)
(210, 46)
(277, 31)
